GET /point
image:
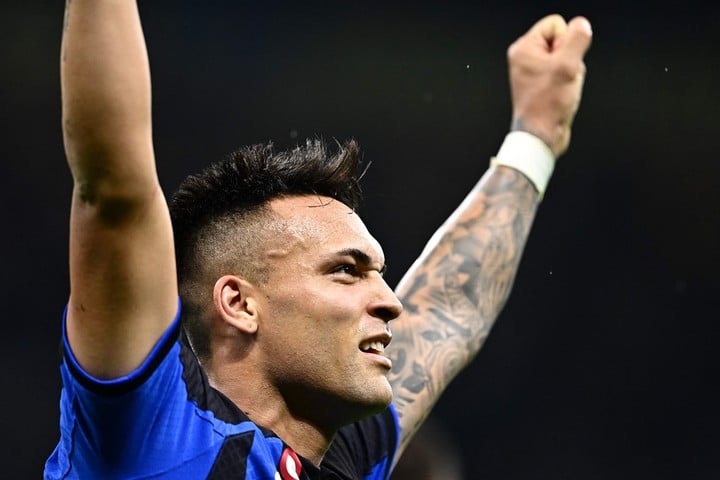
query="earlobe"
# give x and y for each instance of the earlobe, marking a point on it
(234, 301)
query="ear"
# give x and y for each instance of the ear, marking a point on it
(234, 300)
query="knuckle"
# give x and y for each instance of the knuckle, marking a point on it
(518, 53)
(513, 50)
(555, 17)
(568, 68)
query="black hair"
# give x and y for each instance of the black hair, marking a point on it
(219, 209)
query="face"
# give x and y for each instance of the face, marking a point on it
(324, 312)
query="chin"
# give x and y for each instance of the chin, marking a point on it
(378, 398)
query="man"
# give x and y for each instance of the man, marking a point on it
(281, 287)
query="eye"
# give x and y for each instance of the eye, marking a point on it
(346, 268)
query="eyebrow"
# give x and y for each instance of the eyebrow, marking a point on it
(361, 257)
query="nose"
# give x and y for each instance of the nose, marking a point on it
(385, 304)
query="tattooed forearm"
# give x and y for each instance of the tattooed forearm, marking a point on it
(456, 290)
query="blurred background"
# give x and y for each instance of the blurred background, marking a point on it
(604, 363)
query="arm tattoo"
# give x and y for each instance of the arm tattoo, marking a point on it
(454, 293)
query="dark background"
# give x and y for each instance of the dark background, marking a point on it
(603, 365)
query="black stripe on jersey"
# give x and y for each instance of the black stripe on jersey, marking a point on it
(231, 461)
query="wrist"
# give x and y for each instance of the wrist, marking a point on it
(529, 155)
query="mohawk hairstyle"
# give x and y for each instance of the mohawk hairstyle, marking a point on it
(211, 208)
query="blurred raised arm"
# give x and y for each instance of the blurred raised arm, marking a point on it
(122, 268)
(457, 287)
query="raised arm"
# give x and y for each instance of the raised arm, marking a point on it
(456, 289)
(122, 268)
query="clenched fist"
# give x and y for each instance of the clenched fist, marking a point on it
(546, 78)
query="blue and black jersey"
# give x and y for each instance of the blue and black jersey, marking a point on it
(164, 421)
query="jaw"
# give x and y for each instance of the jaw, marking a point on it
(361, 393)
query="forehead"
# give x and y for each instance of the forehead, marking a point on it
(317, 221)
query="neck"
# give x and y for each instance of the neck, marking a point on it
(266, 407)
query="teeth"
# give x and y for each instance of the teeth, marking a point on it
(375, 346)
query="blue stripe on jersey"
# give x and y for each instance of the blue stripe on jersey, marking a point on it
(112, 431)
(165, 422)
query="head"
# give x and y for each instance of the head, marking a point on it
(271, 252)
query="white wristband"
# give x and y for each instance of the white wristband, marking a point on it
(531, 156)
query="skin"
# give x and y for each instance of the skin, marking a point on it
(456, 289)
(314, 310)
(302, 330)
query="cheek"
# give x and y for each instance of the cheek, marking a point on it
(335, 307)
(316, 311)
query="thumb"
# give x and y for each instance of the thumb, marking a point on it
(577, 38)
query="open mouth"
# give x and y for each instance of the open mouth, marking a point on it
(376, 347)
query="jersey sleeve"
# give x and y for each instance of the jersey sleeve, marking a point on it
(125, 427)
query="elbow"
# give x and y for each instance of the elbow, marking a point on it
(113, 201)
(113, 180)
